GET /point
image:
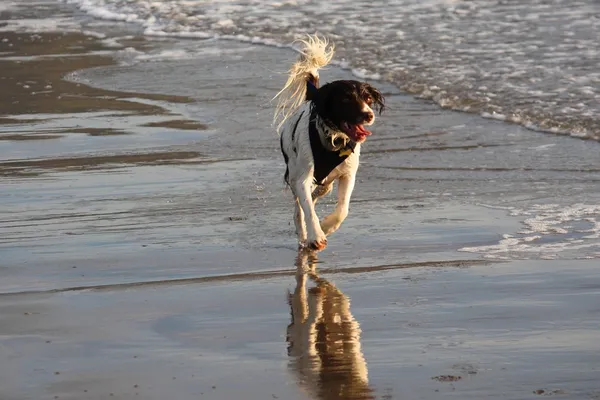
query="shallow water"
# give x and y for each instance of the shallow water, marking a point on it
(428, 182)
(534, 62)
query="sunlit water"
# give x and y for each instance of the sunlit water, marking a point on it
(534, 62)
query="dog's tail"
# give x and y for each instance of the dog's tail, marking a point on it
(315, 53)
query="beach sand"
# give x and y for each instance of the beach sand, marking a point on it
(147, 245)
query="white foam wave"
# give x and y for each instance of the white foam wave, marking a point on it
(130, 55)
(112, 42)
(505, 61)
(550, 231)
(40, 25)
(177, 54)
(97, 35)
(363, 73)
(98, 10)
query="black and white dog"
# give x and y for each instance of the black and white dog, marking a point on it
(321, 129)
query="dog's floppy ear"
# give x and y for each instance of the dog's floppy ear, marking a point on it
(378, 99)
(311, 91)
(312, 87)
(320, 97)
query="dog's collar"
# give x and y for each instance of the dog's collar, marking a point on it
(325, 160)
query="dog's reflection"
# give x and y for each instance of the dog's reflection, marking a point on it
(324, 338)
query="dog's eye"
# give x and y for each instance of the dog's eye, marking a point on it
(369, 100)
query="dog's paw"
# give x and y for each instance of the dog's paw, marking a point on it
(316, 245)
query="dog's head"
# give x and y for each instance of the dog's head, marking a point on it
(348, 106)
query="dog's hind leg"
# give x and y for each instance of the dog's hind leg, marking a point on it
(320, 191)
(332, 222)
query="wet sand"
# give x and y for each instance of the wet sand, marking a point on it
(501, 331)
(147, 249)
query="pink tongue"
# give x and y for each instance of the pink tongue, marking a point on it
(356, 131)
(361, 129)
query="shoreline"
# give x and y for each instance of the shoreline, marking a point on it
(473, 96)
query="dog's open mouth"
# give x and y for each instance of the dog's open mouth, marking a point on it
(357, 132)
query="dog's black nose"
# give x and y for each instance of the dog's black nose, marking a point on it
(367, 116)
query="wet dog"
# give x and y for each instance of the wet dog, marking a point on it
(321, 129)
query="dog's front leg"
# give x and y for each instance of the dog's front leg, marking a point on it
(333, 221)
(299, 222)
(316, 239)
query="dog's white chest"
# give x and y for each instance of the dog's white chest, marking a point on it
(348, 167)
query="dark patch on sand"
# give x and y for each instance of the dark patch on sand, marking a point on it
(447, 378)
(8, 168)
(97, 131)
(59, 133)
(179, 124)
(18, 121)
(17, 137)
(36, 85)
(549, 392)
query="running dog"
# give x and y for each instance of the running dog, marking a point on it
(321, 129)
